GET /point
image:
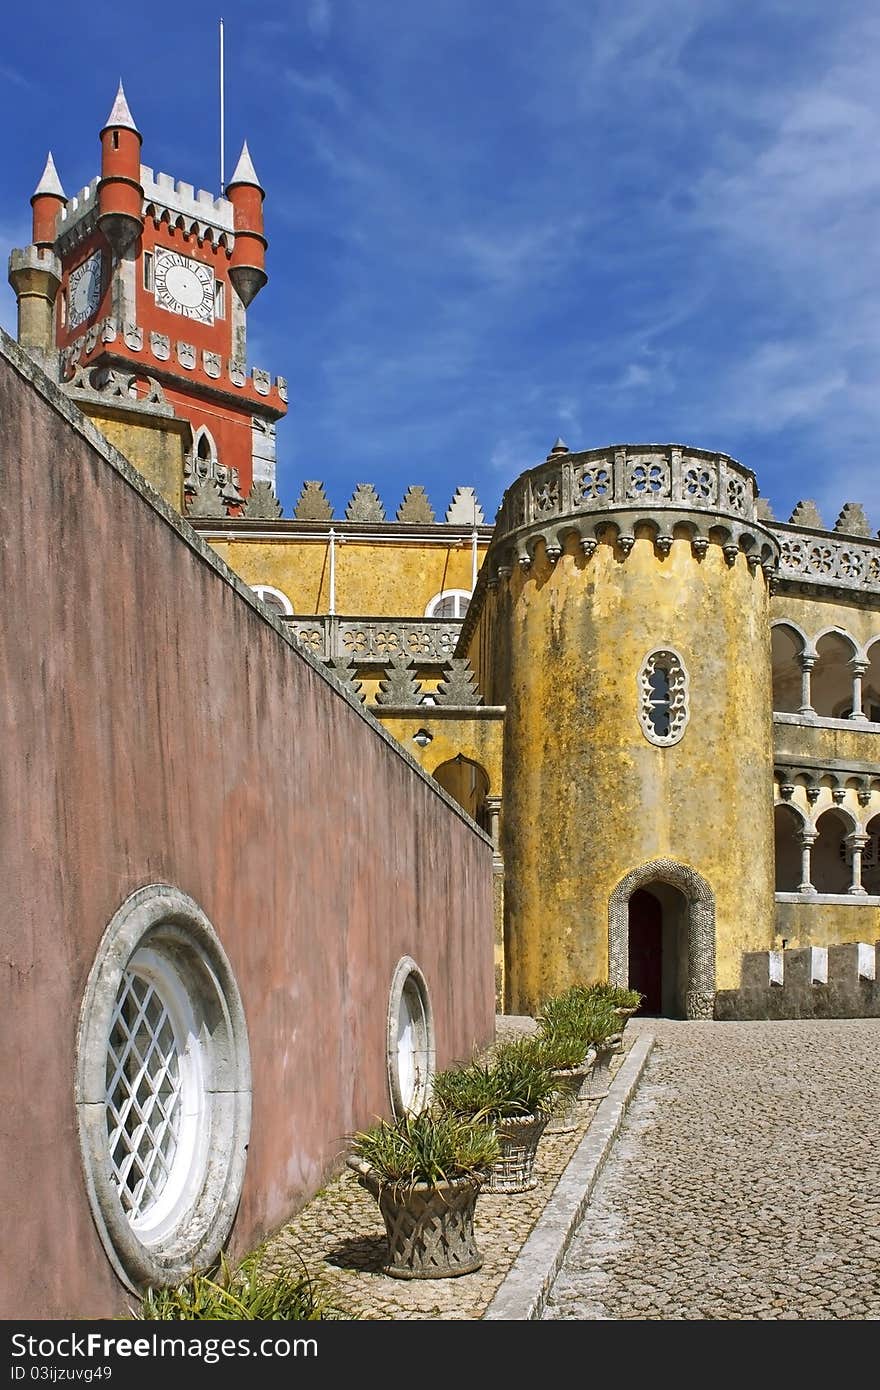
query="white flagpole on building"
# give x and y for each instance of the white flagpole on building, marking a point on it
(222, 115)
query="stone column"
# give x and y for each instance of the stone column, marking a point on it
(858, 669)
(856, 841)
(808, 839)
(807, 663)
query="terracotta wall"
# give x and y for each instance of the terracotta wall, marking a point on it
(157, 727)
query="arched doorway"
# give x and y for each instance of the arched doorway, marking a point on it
(671, 924)
(658, 949)
(467, 783)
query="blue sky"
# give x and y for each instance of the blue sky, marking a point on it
(494, 223)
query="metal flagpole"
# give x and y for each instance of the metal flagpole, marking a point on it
(222, 116)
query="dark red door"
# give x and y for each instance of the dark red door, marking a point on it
(646, 950)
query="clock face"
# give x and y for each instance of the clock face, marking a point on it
(84, 290)
(184, 286)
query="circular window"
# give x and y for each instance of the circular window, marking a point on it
(410, 1039)
(163, 1089)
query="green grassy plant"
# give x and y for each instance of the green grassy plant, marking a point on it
(248, 1292)
(430, 1147)
(514, 1080)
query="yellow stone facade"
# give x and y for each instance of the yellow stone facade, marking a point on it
(531, 696)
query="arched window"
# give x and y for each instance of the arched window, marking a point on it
(205, 450)
(832, 682)
(451, 603)
(787, 647)
(274, 599)
(787, 848)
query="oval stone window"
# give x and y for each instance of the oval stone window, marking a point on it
(410, 1039)
(663, 697)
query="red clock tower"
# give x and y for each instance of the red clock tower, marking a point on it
(136, 291)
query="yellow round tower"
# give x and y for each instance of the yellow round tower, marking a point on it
(622, 618)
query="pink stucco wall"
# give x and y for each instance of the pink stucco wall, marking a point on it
(156, 727)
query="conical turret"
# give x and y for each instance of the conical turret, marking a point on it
(120, 195)
(244, 191)
(47, 201)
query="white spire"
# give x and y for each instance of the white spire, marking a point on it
(120, 114)
(244, 169)
(49, 180)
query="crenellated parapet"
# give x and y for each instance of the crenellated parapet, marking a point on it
(667, 488)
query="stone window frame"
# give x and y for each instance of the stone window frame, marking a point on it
(666, 658)
(284, 603)
(408, 983)
(457, 594)
(163, 926)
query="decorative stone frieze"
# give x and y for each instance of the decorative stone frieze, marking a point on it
(400, 686)
(197, 472)
(829, 561)
(262, 504)
(376, 642)
(160, 346)
(707, 496)
(312, 504)
(365, 504)
(465, 509)
(416, 507)
(460, 686)
(806, 513)
(347, 673)
(205, 500)
(853, 522)
(135, 389)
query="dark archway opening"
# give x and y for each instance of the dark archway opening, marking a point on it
(658, 949)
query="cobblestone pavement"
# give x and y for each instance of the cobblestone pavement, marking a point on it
(340, 1234)
(743, 1182)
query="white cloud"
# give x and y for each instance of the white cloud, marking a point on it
(321, 85)
(319, 17)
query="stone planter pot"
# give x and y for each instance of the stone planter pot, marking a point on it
(518, 1137)
(571, 1084)
(430, 1227)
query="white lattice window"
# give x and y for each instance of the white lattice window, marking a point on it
(663, 697)
(153, 1093)
(163, 1089)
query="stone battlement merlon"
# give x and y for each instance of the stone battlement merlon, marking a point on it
(207, 216)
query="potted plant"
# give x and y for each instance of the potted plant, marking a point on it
(426, 1170)
(570, 1063)
(625, 1001)
(589, 1015)
(513, 1089)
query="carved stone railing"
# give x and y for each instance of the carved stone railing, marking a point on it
(709, 496)
(604, 480)
(378, 641)
(827, 559)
